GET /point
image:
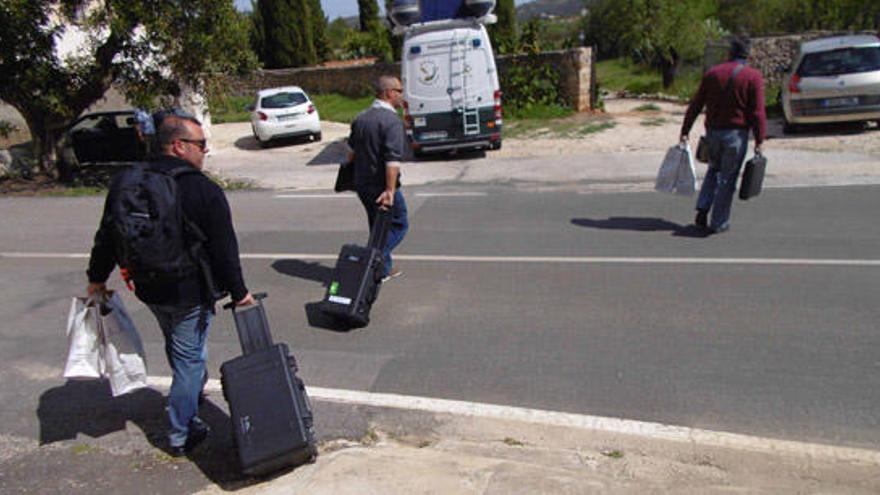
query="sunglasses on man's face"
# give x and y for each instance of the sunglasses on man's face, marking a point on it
(201, 143)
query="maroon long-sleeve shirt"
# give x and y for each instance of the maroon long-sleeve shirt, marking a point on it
(740, 107)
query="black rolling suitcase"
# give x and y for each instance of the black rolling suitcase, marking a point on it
(358, 275)
(752, 177)
(271, 417)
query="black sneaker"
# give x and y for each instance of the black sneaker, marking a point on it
(198, 433)
(702, 219)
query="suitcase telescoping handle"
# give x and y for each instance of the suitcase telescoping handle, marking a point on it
(379, 233)
(258, 296)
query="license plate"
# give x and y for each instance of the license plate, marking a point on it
(289, 116)
(842, 102)
(420, 122)
(434, 135)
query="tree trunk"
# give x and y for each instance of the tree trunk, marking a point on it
(669, 69)
(45, 142)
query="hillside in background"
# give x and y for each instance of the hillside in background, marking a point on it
(547, 8)
(526, 11)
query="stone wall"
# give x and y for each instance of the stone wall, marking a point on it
(577, 77)
(770, 54)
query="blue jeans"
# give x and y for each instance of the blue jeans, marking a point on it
(727, 150)
(186, 335)
(399, 222)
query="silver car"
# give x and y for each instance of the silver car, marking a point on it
(833, 80)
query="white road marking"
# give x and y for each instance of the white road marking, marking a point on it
(314, 196)
(450, 194)
(643, 429)
(586, 260)
(349, 195)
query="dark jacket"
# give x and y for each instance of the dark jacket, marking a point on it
(741, 107)
(205, 205)
(377, 137)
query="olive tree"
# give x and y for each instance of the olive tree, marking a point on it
(146, 47)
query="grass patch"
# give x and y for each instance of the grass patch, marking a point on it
(73, 192)
(614, 454)
(537, 112)
(594, 128)
(228, 108)
(338, 108)
(331, 107)
(622, 75)
(82, 449)
(570, 128)
(648, 107)
(512, 442)
(653, 122)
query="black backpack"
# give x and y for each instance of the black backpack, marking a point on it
(155, 242)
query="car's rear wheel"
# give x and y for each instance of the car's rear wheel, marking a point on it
(259, 141)
(316, 136)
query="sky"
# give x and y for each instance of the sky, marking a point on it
(336, 8)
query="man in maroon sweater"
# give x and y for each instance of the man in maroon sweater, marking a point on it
(733, 95)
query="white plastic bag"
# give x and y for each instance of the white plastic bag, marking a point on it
(124, 359)
(677, 173)
(686, 178)
(83, 340)
(668, 173)
(103, 342)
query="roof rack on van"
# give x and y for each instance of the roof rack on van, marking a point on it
(446, 24)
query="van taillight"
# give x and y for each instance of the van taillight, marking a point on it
(407, 118)
(262, 116)
(311, 109)
(793, 84)
(498, 110)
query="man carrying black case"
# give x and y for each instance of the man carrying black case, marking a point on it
(358, 275)
(271, 417)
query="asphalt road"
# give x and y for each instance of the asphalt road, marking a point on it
(769, 348)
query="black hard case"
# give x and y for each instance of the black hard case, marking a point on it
(272, 420)
(752, 177)
(358, 276)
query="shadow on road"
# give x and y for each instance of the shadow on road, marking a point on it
(642, 224)
(86, 407)
(774, 130)
(447, 156)
(333, 154)
(250, 143)
(313, 271)
(316, 272)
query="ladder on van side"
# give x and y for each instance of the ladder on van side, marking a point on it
(470, 115)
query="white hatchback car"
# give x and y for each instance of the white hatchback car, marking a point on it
(286, 112)
(833, 80)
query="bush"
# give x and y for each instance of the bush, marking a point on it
(527, 85)
(367, 44)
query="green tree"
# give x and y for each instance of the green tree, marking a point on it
(285, 33)
(319, 29)
(503, 33)
(147, 47)
(660, 33)
(337, 32)
(760, 17)
(368, 13)
(396, 41)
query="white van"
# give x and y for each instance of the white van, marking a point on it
(450, 84)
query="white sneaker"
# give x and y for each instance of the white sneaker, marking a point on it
(394, 273)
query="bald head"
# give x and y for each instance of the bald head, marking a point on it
(183, 137)
(390, 90)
